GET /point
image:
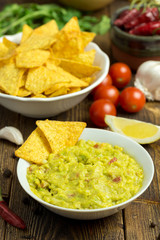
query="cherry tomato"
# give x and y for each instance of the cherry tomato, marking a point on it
(106, 82)
(121, 74)
(132, 99)
(109, 92)
(99, 109)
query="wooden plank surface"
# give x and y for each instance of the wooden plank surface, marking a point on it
(140, 220)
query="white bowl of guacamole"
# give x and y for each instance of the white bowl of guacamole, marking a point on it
(99, 176)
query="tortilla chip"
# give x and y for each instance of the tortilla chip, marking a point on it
(36, 41)
(10, 78)
(68, 45)
(41, 37)
(50, 28)
(78, 69)
(52, 63)
(7, 49)
(74, 89)
(69, 41)
(48, 61)
(61, 134)
(3, 50)
(85, 57)
(72, 25)
(56, 87)
(59, 92)
(87, 37)
(9, 44)
(23, 79)
(38, 96)
(38, 79)
(22, 92)
(65, 80)
(65, 87)
(32, 58)
(35, 149)
(89, 80)
(26, 32)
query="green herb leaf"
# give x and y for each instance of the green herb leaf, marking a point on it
(103, 26)
(14, 16)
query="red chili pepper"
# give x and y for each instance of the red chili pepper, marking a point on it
(124, 13)
(133, 13)
(9, 216)
(150, 15)
(146, 29)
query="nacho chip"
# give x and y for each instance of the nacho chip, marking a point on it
(26, 32)
(38, 80)
(89, 80)
(87, 37)
(65, 87)
(69, 41)
(10, 78)
(85, 57)
(22, 92)
(74, 89)
(52, 63)
(65, 80)
(42, 79)
(78, 69)
(41, 37)
(23, 79)
(72, 25)
(59, 92)
(56, 87)
(67, 45)
(3, 50)
(36, 41)
(7, 49)
(9, 44)
(35, 149)
(38, 96)
(50, 28)
(32, 58)
(61, 134)
(74, 81)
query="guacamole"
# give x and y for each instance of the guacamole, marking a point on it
(88, 175)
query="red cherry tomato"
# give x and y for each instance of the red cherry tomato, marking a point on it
(106, 82)
(121, 74)
(132, 99)
(109, 92)
(99, 109)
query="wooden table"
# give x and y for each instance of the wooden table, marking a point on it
(139, 221)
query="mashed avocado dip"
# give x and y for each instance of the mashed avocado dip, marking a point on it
(88, 175)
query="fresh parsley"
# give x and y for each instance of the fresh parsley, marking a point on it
(14, 16)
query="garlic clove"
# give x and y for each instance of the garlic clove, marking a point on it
(147, 79)
(145, 90)
(11, 134)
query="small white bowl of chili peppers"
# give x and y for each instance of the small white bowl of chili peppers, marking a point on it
(135, 35)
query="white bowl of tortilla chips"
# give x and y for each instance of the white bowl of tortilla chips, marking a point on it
(46, 77)
(51, 132)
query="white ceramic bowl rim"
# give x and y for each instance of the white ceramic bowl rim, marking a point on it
(118, 206)
(52, 99)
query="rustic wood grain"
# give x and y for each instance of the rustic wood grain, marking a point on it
(139, 221)
(142, 220)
